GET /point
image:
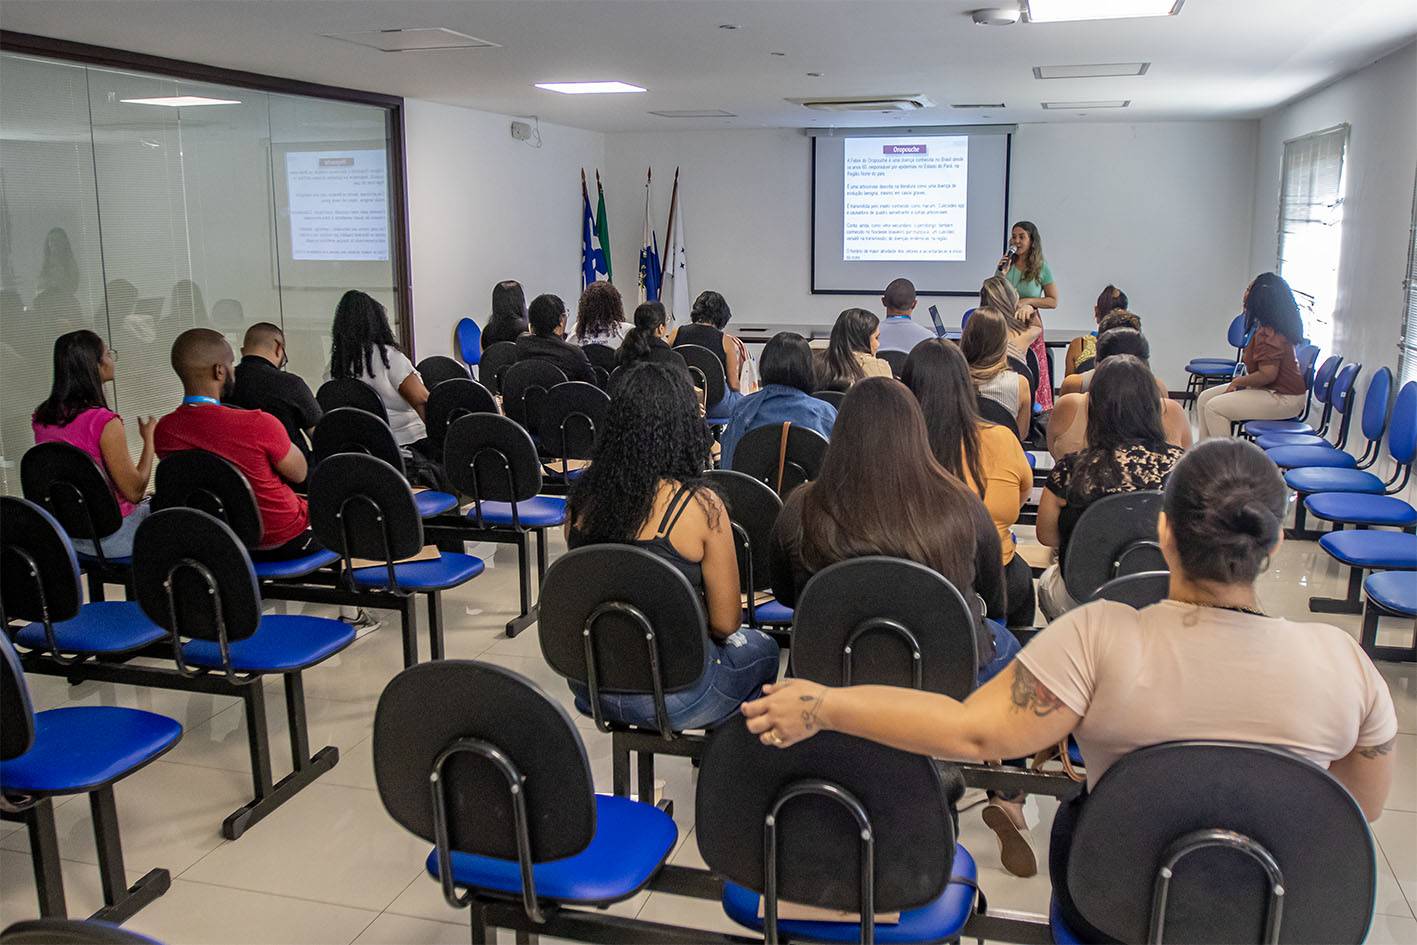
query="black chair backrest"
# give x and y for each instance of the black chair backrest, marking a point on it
(185, 562)
(624, 603)
(496, 358)
(492, 459)
(16, 711)
(833, 397)
(818, 838)
(451, 400)
(1027, 372)
(437, 368)
(601, 356)
(992, 411)
(524, 387)
(884, 621)
(896, 359)
(350, 392)
(362, 507)
(752, 509)
(70, 486)
(757, 455)
(572, 415)
(1115, 535)
(347, 430)
(1138, 590)
(447, 714)
(196, 479)
(1147, 806)
(54, 931)
(39, 574)
(709, 367)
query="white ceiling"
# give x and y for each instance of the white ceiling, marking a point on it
(1216, 59)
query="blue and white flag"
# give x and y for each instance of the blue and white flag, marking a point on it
(649, 256)
(592, 259)
(674, 287)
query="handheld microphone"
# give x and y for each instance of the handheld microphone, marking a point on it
(1008, 255)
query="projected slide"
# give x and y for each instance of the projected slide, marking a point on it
(905, 198)
(338, 204)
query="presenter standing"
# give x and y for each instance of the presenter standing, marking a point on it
(1028, 272)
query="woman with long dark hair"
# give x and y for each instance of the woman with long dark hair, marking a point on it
(987, 457)
(508, 319)
(985, 345)
(645, 487)
(851, 351)
(1126, 452)
(645, 341)
(600, 317)
(1272, 387)
(76, 412)
(363, 348)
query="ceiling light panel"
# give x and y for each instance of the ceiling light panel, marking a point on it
(589, 88)
(1058, 11)
(1112, 103)
(415, 39)
(181, 101)
(1094, 71)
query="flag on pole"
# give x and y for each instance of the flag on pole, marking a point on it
(602, 232)
(649, 255)
(589, 262)
(674, 281)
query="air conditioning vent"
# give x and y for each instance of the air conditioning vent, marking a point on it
(415, 39)
(877, 103)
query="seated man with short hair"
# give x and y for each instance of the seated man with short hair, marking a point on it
(547, 314)
(262, 383)
(898, 332)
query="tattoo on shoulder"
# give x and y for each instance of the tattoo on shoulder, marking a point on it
(1030, 695)
(1373, 751)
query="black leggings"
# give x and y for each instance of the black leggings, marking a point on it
(1018, 582)
(298, 547)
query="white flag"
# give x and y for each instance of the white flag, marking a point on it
(674, 292)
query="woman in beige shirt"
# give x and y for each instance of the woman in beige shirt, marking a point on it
(851, 352)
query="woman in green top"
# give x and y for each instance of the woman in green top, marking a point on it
(1028, 272)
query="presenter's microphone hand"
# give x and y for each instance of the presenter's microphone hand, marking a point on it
(1008, 259)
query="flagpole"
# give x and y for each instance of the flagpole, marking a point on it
(673, 202)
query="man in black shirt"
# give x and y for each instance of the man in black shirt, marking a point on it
(547, 315)
(262, 384)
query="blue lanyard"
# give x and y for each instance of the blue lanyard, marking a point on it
(199, 399)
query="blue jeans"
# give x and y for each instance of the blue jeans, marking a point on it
(120, 543)
(736, 671)
(1006, 647)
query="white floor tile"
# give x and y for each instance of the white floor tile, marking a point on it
(408, 930)
(83, 891)
(1396, 833)
(199, 914)
(1392, 930)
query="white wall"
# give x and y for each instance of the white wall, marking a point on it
(1161, 209)
(483, 207)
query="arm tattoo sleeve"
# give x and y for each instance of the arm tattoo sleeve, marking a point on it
(1030, 695)
(1373, 751)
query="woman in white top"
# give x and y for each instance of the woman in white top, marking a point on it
(363, 348)
(600, 317)
(985, 344)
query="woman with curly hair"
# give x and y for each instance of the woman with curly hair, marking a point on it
(645, 487)
(600, 317)
(363, 348)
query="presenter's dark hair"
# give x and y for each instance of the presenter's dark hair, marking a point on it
(1117, 341)
(938, 376)
(1270, 304)
(652, 433)
(1123, 406)
(649, 317)
(76, 386)
(1030, 264)
(1111, 299)
(545, 314)
(900, 295)
(710, 308)
(1224, 503)
(508, 309)
(787, 360)
(851, 334)
(599, 311)
(361, 325)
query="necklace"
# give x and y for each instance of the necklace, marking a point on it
(1253, 611)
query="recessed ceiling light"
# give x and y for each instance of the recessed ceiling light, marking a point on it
(180, 101)
(1057, 11)
(589, 88)
(414, 39)
(695, 113)
(1094, 71)
(977, 105)
(1113, 103)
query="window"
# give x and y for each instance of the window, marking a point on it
(1311, 225)
(1407, 349)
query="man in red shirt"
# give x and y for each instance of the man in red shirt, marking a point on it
(253, 441)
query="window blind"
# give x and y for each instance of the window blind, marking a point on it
(1407, 354)
(1311, 221)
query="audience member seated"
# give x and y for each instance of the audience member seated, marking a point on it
(898, 332)
(508, 320)
(881, 492)
(76, 412)
(985, 344)
(708, 317)
(645, 487)
(600, 317)
(262, 383)
(1024, 326)
(363, 348)
(1118, 321)
(1206, 663)
(1272, 387)
(645, 341)
(985, 456)
(1082, 351)
(1126, 452)
(546, 341)
(251, 440)
(786, 397)
(1067, 432)
(851, 351)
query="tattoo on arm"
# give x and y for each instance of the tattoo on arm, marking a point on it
(1373, 751)
(809, 713)
(1030, 695)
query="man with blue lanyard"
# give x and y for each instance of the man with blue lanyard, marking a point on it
(898, 332)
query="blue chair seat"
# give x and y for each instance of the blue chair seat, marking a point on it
(448, 570)
(1261, 427)
(124, 562)
(1394, 590)
(280, 644)
(1032, 460)
(114, 626)
(79, 748)
(1332, 479)
(1212, 362)
(1274, 440)
(552, 471)
(1211, 370)
(434, 503)
(941, 920)
(1369, 549)
(631, 841)
(294, 567)
(1293, 457)
(771, 612)
(540, 511)
(1361, 509)
(1062, 935)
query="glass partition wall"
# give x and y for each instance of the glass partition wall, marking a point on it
(140, 205)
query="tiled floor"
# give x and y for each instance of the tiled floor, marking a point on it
(331, 866)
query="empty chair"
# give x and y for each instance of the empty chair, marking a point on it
(752, 510)
(707, 369)
(451, 400)
(1115, 536)
(1206, 372)
(783, 456)
(496, 358)
(469, 338)
(1390, 594)
(570, 418)
(438, 368)
(1305, 453)
(1319, 384)
(1363, 550)
(344, 430)
(524, 388)
(350, 392)
(1374, 424)
(68, 484)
